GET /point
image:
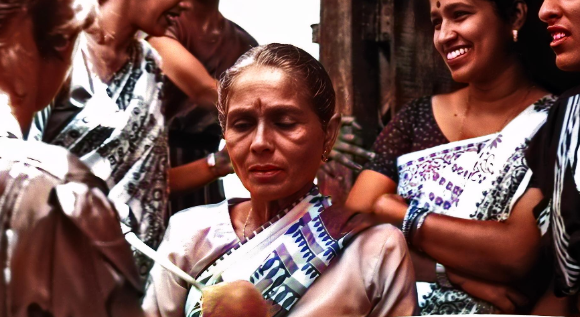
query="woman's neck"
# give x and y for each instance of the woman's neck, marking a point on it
(491, 95)
(110, 38)
(262, 210)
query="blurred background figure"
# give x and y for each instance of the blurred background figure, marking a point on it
(197, 48)
(62, 252)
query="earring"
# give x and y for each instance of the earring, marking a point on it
(515, 34)
(325, 156)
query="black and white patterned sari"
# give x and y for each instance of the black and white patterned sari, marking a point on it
(119, 131)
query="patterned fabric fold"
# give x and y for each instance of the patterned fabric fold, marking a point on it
(282, 260)
(479, 179)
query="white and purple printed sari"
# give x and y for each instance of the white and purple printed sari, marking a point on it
(479, 179)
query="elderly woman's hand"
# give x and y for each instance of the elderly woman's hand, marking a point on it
(390, 208)
(504, 298)
(349, 143)
(233, 299)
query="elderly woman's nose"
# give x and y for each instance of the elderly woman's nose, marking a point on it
(261, 139)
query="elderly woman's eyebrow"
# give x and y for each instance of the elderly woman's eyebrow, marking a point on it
(282, 109)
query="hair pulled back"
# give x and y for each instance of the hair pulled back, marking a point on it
(308, 74)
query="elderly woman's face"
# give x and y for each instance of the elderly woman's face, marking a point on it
(274, 138)
(471, 37)
(563, 18)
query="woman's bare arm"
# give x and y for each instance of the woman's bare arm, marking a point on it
(369, 186)
(186, 72)
(497, 251)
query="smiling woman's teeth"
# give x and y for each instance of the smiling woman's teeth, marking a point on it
(457, 53)
(557, 36)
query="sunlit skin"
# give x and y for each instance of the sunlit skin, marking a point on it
(31, 90)
(274, 137)
(468, 35)
(563, 19)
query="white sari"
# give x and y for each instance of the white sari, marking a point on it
(479, 179)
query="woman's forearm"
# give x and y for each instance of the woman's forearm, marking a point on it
(424, 267)
(497, 251)
(188, 177)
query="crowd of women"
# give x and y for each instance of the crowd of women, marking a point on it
(470, 204)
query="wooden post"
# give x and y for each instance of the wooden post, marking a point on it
(353, 64)
(380, 55)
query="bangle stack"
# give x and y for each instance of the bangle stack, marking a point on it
(413, 221)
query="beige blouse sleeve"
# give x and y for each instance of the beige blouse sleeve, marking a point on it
(394, 292)
(166, 293)
(193, 240)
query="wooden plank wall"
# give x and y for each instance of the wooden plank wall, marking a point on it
(379, 54)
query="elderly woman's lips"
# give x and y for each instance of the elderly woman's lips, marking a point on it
(264, 171)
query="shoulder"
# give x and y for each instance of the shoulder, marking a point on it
(379, 246)
(244, 37)
(574, 92)
(416, 106)
(149, 55)
(48, 159)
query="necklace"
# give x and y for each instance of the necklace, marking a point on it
(246, 224)
(508, 118)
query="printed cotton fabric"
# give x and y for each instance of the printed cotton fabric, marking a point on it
(477, 179)
(553, 157)
(119, 131)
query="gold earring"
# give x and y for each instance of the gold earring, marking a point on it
(325, 156)
(515, 34)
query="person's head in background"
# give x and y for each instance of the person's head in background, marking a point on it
(476, 38)
(563, 19)
(495, 35)
(37, 39)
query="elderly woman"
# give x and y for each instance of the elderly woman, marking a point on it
(457, 159)
(277, 109)
(62, 251)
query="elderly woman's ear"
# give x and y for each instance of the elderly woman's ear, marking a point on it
(331, 133)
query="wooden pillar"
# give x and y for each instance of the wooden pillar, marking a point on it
(380, 55)
(353, 64)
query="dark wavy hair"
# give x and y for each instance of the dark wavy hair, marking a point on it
(308, 74)
(51, 19)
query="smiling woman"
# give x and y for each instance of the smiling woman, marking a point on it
(457, 159)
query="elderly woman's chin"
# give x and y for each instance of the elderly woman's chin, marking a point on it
(281, 186)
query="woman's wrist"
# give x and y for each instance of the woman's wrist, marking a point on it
(414, 219)
(441, 275)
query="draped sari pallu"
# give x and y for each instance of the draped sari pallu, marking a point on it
(282, 258)
(479, 179)
(119, 132)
